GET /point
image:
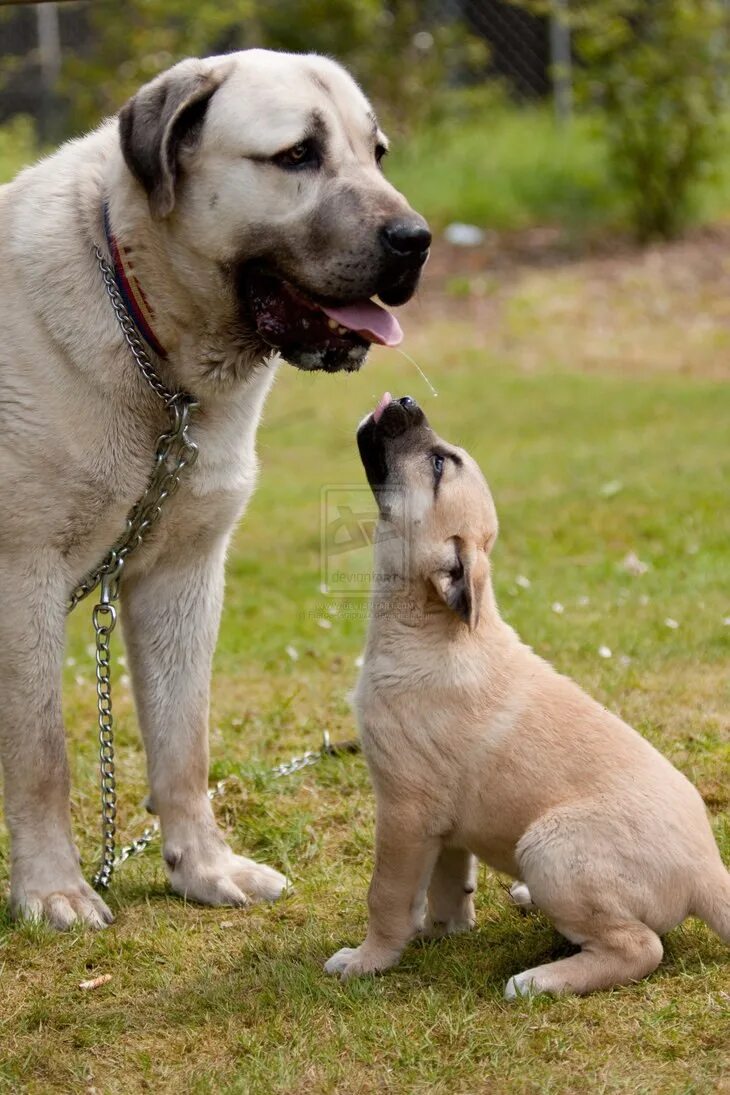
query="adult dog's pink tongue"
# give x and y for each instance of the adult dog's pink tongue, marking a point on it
(371, 321)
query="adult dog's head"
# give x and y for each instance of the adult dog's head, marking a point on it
(267, 166)
(438, 520)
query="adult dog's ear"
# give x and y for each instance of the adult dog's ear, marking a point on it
(462, 586)
(158, 121)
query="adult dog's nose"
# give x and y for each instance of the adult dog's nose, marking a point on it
(407, 239)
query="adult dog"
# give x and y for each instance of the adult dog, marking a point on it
(241, 202)
(477, 746)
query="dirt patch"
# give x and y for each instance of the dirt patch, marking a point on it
(533, 299)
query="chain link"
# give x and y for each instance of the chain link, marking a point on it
(104, 618)
(288, 768)
(175, 452)
(130, 332)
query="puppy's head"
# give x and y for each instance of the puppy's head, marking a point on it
(435, 505)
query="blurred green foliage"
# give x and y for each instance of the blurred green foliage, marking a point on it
(658, 70)
(17, 146)
(402, 58)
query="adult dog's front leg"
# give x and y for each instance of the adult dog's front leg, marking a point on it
(45, 877)
(171, 618)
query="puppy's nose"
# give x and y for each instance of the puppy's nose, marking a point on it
(407, 239)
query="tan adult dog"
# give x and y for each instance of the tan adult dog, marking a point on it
(477, 747)
(246, 216)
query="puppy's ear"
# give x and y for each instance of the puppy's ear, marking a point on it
(157, 121)
(462, 587)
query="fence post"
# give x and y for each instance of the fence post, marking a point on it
(561, 61)
(49, 57)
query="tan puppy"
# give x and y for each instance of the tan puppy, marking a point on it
(477, 747)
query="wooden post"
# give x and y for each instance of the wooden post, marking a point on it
(49, 57)
(561, 61)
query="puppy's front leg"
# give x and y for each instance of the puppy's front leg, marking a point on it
(404, 860)
(451, 894)
(171, 617)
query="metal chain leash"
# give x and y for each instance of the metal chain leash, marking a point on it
(288, 768)
(104, 618)
(175, 452)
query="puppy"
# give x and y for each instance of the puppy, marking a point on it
(478, 747)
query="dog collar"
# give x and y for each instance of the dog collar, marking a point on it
(131, 291)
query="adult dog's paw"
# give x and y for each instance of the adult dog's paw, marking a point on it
(355, 962)
(229, 880)
(69, 903)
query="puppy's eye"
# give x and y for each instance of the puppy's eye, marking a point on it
(299, 155)
(438, 462)
(380, 153)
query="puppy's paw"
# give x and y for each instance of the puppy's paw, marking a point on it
(449, 913)
(455, 925)
(519, 985)
(228, 880)
(356, 962)
(532, 983)
(520, 896)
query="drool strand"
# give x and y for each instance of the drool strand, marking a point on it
(408, 357)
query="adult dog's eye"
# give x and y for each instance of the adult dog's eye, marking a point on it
(438, 465)
(380, 153)
(303, 154)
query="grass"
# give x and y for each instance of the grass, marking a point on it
(585, 468)
(573, 397)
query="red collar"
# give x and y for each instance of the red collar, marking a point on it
(133, 295)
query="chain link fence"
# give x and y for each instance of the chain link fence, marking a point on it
(528, 54)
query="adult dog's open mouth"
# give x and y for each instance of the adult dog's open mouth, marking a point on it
(313, 335)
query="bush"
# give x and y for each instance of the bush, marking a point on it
(17, 146)
(657, 69)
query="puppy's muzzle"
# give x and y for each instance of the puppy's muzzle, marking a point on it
(400, 415)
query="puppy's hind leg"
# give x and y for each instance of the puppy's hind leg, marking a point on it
(520, 896)
(572, 874)
(622, 953)
(451, 894)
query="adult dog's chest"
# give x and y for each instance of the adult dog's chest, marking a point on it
(210, 497)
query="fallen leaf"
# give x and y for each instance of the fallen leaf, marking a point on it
(95, 982)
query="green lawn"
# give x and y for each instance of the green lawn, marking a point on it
(584, 469)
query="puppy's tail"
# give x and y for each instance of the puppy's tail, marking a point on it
(712, 902)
